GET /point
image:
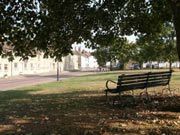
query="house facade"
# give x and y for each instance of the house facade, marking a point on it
(31, 66)
(80, 60)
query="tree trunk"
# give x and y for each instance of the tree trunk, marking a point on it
(170, 64)
(122, 66)
(176, 20)
(110, 66)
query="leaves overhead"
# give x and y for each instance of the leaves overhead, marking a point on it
(19, 21)
(158, 47)
(53, 26)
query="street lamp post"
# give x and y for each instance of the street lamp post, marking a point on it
(58, 71)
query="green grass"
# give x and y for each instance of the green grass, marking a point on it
(85, 83)
(77, 106)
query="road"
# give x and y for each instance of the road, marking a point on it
(29, 80)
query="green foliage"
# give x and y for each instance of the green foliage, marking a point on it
(102, 56)
(119, 49)
(53, 26)
(48, 26)
(124, 51)
(18, 27)
(157, 47)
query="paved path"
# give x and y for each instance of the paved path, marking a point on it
(28, 80)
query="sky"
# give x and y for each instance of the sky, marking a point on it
(131, 38)
(76, 46)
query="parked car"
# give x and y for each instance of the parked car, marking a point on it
(153, 66)
(134, 66)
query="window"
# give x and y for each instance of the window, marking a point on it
(39, 66)
(53, 66)
(15, 66)
(32, 66)
(25, 66)
(5, 67)
(39, 57)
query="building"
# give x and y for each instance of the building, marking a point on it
(31, 66)
(80, 60)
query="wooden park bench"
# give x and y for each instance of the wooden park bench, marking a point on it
(143, 81)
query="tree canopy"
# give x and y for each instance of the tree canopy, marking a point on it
(157, 47)
(28, 26)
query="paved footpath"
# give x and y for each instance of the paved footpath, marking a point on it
(29, 80)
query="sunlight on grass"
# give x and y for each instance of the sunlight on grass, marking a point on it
(94, 82)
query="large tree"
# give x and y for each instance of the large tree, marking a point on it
(144, 16)
(52, 26)
(175, 7)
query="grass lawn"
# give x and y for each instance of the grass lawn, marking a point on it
(77, 106)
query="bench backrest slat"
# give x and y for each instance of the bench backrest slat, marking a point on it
(132, 81)
(124, 82)
(157, 84)
(132, 86)
(131, 77)
(159, 78)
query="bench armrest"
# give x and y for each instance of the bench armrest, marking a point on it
(108, 82)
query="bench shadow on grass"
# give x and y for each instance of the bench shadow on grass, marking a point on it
(85, 113)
